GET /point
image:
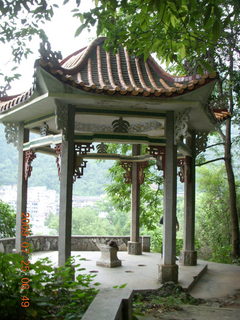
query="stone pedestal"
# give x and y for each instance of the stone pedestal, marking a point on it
(108, 257)
(169, 272)
(134, 248)
(188, 258)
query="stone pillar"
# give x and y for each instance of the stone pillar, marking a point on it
(134, 245)
(23, 136)
(66, 185)
(189, 255)
(169, 269)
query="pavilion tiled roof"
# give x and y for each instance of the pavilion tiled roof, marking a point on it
(96, 70)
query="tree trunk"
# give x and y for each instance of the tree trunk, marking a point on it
(232, 192)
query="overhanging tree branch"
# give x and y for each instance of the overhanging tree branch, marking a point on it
(217, 159)
(214, 145)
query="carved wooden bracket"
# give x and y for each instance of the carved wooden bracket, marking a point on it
(185, 170)
(181, 172)
(80, 164)
(127, 166)
(58, 150)
(159, 153)
(141, 166)
(29, 156)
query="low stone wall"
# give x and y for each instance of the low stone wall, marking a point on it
(79, 243)
(111, 304)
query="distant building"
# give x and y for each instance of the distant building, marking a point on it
(42, 202)
(8, 194)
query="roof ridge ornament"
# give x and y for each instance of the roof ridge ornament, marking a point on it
(4, 89)
(48, 55)
(11, 132)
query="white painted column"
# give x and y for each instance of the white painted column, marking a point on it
(134, 245)
(66, 185)
(169, 269)
(23, 136)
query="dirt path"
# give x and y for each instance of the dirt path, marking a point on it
(227, 308)
(224, 308)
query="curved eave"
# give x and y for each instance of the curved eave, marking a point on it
(167, 92)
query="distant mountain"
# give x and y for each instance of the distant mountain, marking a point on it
(45, 171)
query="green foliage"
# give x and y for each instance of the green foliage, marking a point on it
(213, 229)
(53, 294)
(86, 221)
(20, 23)
(151, 195)
(103, 219)
(7, 221)
(157, 241)
(173, 29)
(92, 184)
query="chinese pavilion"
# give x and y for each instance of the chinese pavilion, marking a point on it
(98, 96)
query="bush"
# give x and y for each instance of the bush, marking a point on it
(157, 240)
(7, 221)
(52, 292)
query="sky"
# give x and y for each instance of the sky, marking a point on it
(60, 31)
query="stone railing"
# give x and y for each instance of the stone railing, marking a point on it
(79, 243)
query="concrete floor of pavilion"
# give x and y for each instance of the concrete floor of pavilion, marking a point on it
(138, 272)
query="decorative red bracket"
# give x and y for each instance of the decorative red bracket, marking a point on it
(29, 156)
(159, 153)
(127, 166)
(58, 150)
(79, 163)
(184, 171)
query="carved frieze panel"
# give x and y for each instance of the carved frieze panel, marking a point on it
(62, 119)
(44, 129)
(133, 128)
